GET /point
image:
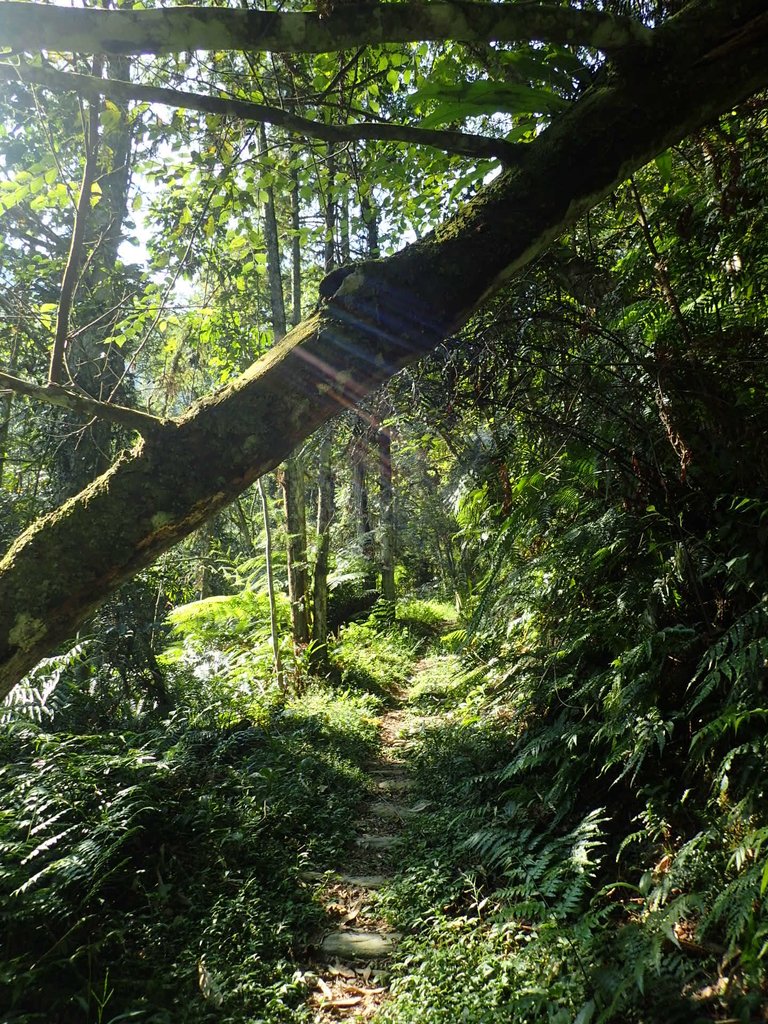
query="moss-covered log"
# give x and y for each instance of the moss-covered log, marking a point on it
(385, 315)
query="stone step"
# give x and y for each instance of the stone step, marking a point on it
(395, 785)
(390, 811)
(377, 842)
(350, 944)
(336, 878)
(364, 881)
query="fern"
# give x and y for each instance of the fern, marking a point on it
(735, 660)
(541, 869)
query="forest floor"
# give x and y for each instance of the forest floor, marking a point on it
(349, 977)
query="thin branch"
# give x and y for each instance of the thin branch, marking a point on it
(79, 402)
(75, 258)
(463, 143)
(34, 26)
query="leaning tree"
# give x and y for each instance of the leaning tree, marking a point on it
(650, 87)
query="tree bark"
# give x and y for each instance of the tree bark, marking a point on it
(358, 458)
(75, 258)
(451, 141)
(292, 483)
(296, 282)
(320, 580)
(386, 515)
(385, 316)
(370, 216)
(272, 245)
(6, 406)
(329, 242)
(273, 630)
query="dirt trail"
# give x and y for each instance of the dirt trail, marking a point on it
(348, 977)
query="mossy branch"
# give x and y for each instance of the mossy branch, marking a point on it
(79, 402)
(33, 26)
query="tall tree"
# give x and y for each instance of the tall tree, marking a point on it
(386, 513)
(291, 478)
(325, 510)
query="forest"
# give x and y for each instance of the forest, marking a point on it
(383, 512)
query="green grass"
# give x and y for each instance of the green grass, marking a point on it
(444, 684)
(374, 657)
(427, 619)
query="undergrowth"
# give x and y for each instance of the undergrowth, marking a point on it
(530, 892)
(151, 866)
(153, 873)
(160, 868)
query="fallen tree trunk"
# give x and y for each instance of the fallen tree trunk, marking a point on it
(385, 315)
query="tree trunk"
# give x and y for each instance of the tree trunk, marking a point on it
(204, 540)
(343, 27)
(358, 458)
(386, 315)
(272, 245)
(274, 632)
(292, 476)
(6, 407)
(295, 247)
(95, 367)
(370, 217)
(344, 245)
(246, 533)
(292, 483)
(325, 510)
(386, 515)
(329, 248)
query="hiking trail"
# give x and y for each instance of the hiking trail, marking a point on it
(349, 976)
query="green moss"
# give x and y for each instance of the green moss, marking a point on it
(26, 631)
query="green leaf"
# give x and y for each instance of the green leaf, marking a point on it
(664, 166)
(110, 116)
(586, 1013)
(457, 102)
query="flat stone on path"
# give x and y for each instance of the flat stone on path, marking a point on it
(377, 842)
(364, 881)
(357, 945)
(395, 785)
(394, 812)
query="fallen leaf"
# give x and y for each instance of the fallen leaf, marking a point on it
(343, 971)
(324, 988)
(364, 991)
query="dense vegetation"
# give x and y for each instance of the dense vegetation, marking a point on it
(547, 541)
